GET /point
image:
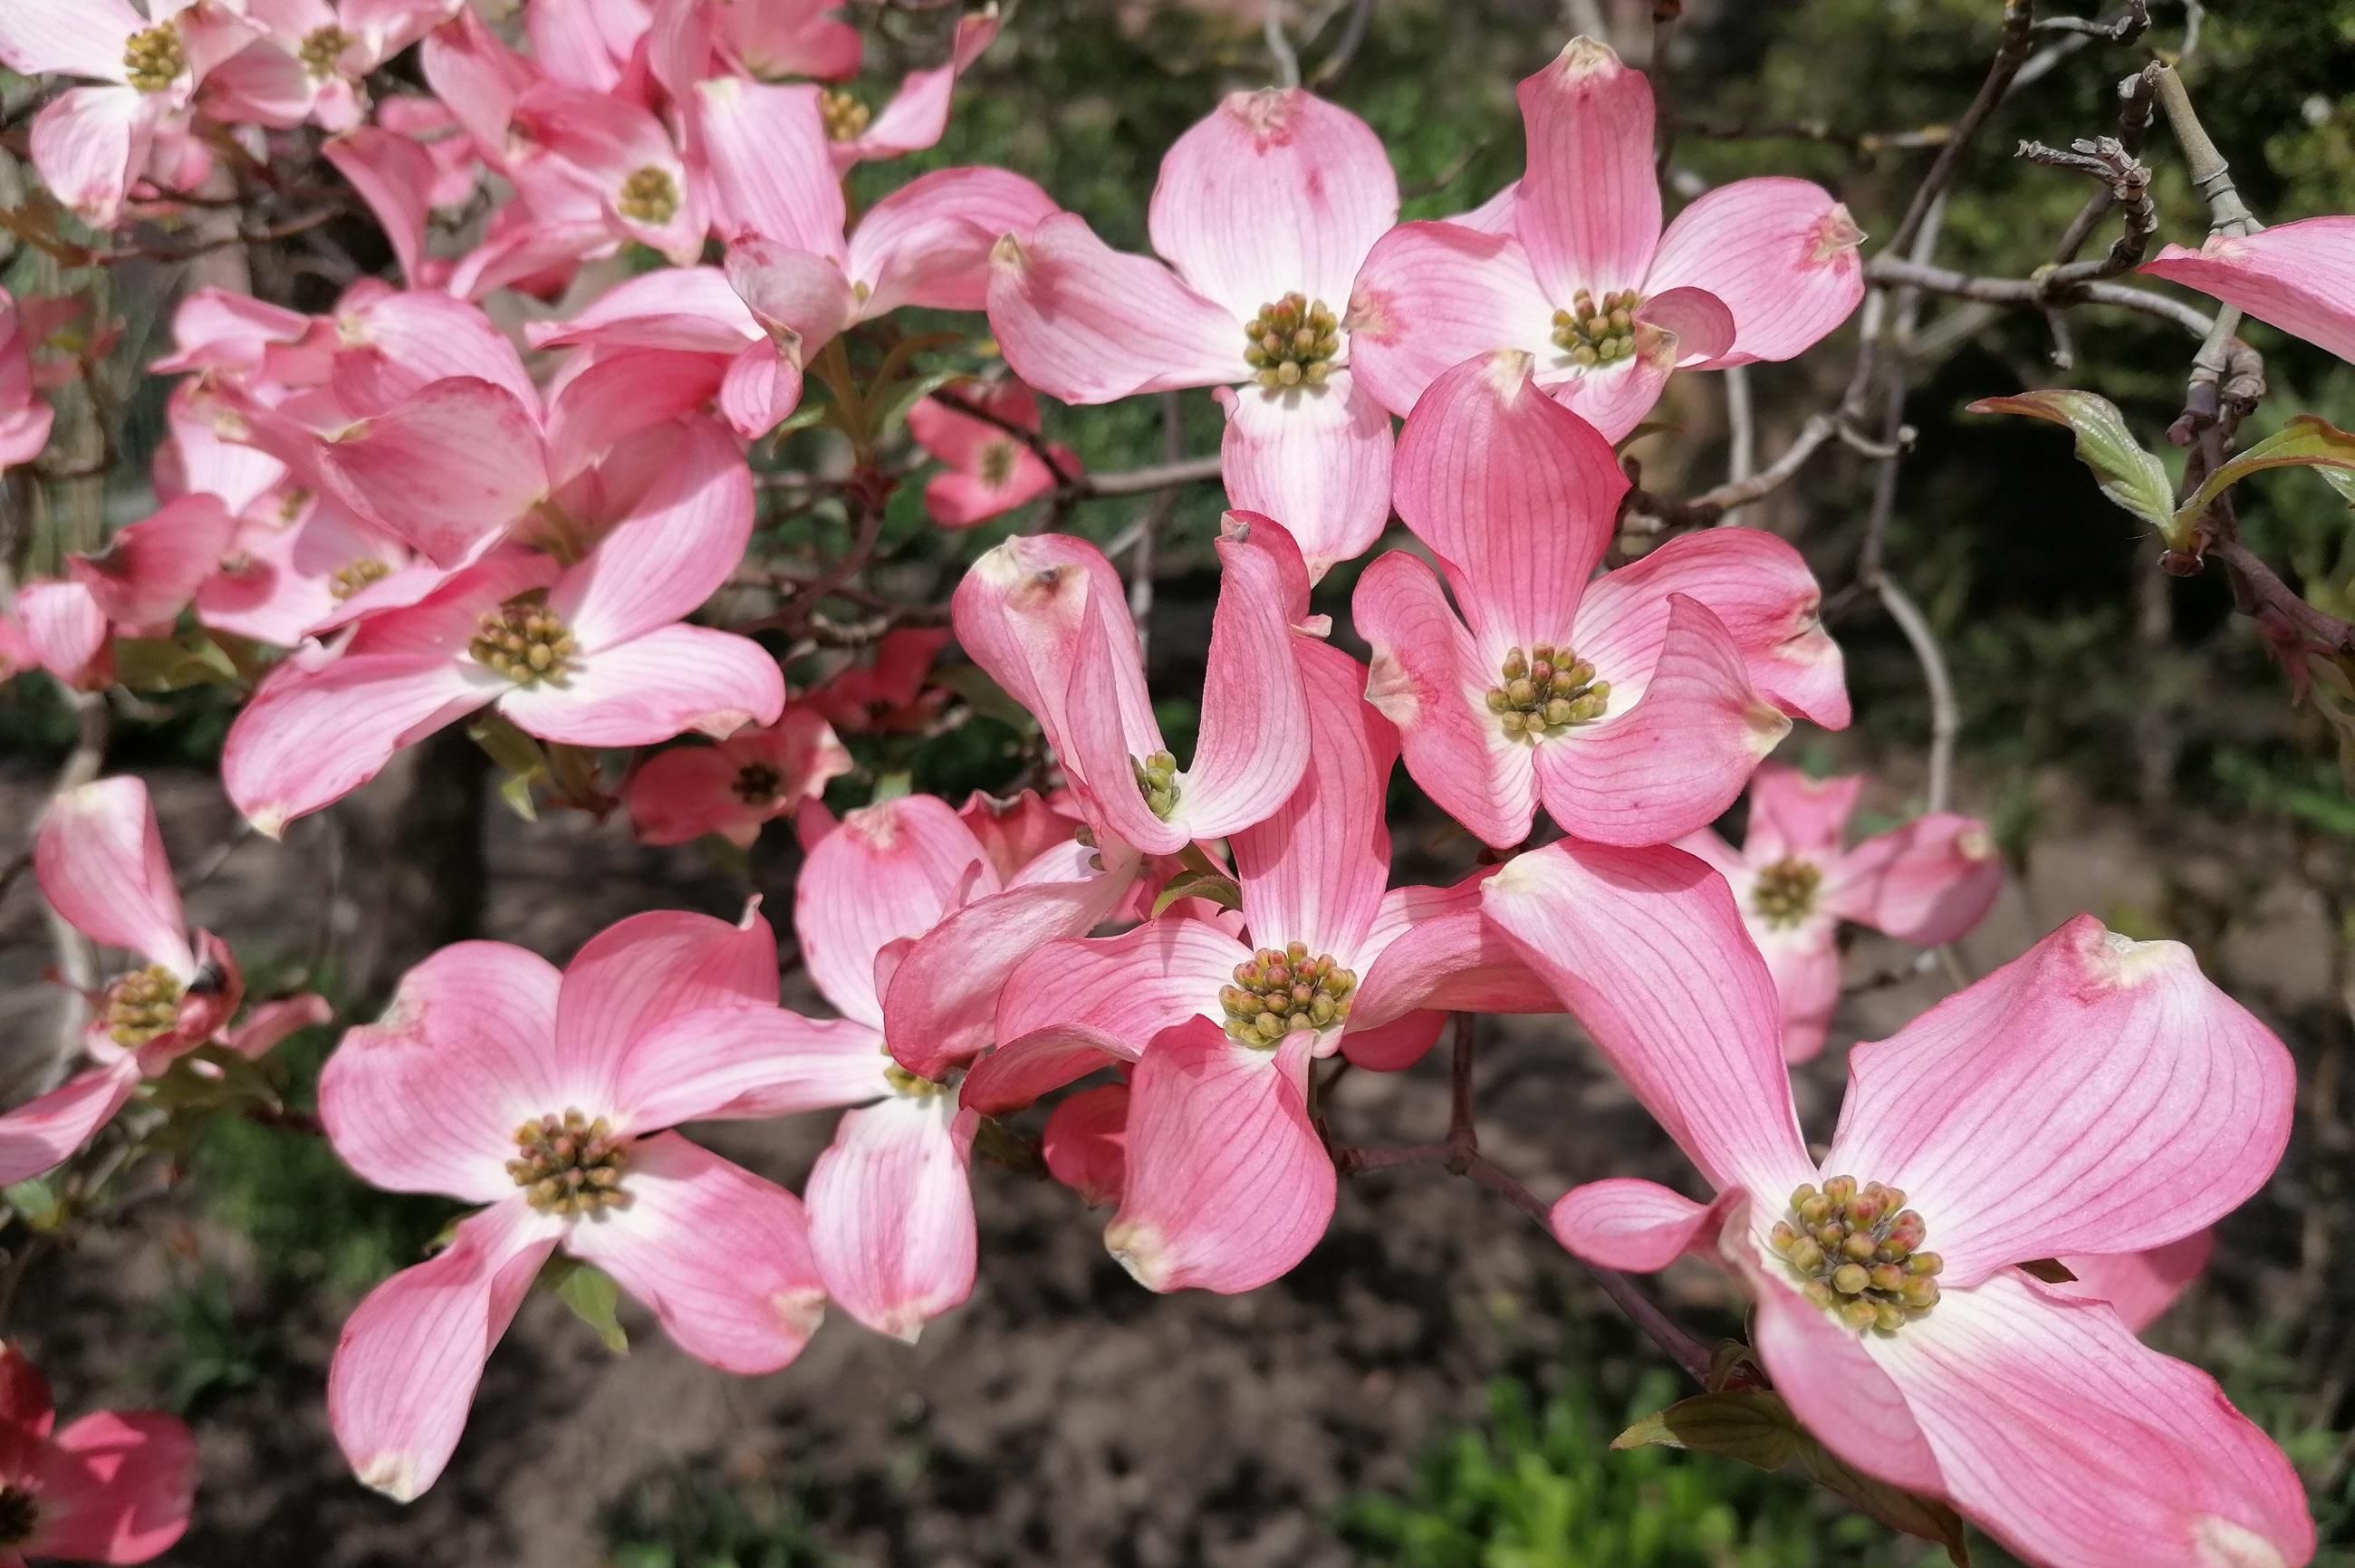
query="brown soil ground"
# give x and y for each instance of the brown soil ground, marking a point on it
(1064, 1416)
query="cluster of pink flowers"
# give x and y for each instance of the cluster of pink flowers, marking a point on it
(427, 526)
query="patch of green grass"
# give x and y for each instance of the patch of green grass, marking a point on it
(686, 1518)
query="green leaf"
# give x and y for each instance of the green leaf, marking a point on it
(2127, 474)
(518, 758)
(1215, 886)
(2307, 442)
(173, 664)
(1757, 1428)
(591, 1295)
(1749, 1424)
(985, 696)
(36, 1203)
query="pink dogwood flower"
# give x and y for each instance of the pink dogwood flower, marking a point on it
(99, 858)
(92, 144)
(699, 34)
(1634, 705)
(545, 1097)
(25, 415)
(593, 654)
(2096, 1095)
(1572, 265)
(732, 787)
(2299, 277)
(891, 1218)
(313, 56)
(1928, 883)
(927, 244)
(892, 692)
(990, 472)
(1264, 211)
(1046, 615)
(113, 1487)
(1228, 1186)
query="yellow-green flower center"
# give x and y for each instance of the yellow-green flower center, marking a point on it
(20, 1512)
(1157, 780)
(142, 1005)
(908, 1086)
(649, 195)
(1292, 342)
(1546, 689)
(323, 51)
(350, 579)
(524, 641)
(1785, 891)
(1594, 332)
(1856, 1251)
(569, 1165)
(845, 118)
(152, 57)
(1276, 992)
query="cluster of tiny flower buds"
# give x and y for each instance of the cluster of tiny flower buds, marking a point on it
(846, 117)
(349, 579)
(1292, 342)
(1785, 891)
(323, 50)
(569, 1165)
(1854, 1251)
(1275, 993)
(142, 1005)
(1594, 334)
(524, 641)
(648, 196)
(1546, 690)
(153, 58)
(1157, 780)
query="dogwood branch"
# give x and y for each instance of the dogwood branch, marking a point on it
(1072, 487)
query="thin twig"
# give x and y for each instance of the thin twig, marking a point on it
(1946, 717)
(1346, 46)
(1463, 1134)
(1148, 527)
(1287, 62)
(2010, 54)
(2031, 293)
(2211, 175)
(1740, 426)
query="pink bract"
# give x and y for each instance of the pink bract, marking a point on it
(493, 1079)
(1664, 682)
(1927, 882)
(2299, 277)
(113, 1486)
(621, 668)
(2096, 1095)
(990, 470)
(732, 787)
(1276, 194)
(99, 857)
(1573, 266)
(1046, 617)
